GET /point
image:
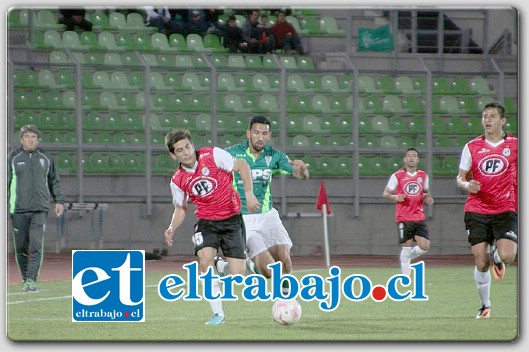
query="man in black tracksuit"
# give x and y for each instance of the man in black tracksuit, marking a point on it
(31, 179)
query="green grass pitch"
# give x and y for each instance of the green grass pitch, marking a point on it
(448, 315)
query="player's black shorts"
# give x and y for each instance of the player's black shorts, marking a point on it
(409, 229)
(227, 234)
(490, 227)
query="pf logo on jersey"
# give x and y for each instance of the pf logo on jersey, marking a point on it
(412, 188)
(493, 165)
(203, 186)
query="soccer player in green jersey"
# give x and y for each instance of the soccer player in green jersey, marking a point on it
(266, 238)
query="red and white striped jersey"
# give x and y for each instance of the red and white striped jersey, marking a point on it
(495, 165)
(413, 187)
(209, 185)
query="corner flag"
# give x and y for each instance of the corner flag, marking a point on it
(322, 199)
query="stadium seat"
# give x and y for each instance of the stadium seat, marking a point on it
(268, 103)
(26, 79)
(191, 80)
(295, 83)
(236, 61)
(178, 42)
(439, 125)
(511, 108)
(243, 82)
(66, 162)
(107, 41)
(119, 80)
(441, 86)
(366, 84)
(460, 86)
(100, 79)
(300, 140)
(299, 104)
(414, 104)
(254, 61)
(329, 83)
(443, 142)
(416, 125)
(288, 62)
(328, 25)
(480, 85)
(387, 84)
(269, 62)
(392, 104)
(184, 61)
(380, 124)
(311, 25)
(320, 104)
(230, 103)
(117, 20)
(449, 104)
(313, 82)
(405, 85)
(397, 123)
(136, 22)
(225, 81)
(261, 82)
(89, 39)
(305, 63)
(173, 80)
(52, 39)
(71, 40)
(160, 41)
(371, 105)
(99, 20)
(196, 43)
(212, 43)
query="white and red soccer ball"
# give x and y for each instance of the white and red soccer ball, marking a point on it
(286, 312)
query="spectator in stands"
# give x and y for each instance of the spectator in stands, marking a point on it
(285, 35)
(212, 19)
(252, 33)
(233, 37)
(266, 37)
(160, 17)
(196, 22)
(73, 18)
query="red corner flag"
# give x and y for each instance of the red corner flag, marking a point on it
(322, 199)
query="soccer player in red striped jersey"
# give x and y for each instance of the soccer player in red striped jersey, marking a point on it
(408, 188)
(491, 218)
(205, 177)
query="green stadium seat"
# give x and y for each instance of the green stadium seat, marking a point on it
(178, 42)
(117, 20)
(389, 142)
(184, 61)
(157, 81)
(173, 80)
(299, 104)
(66, 162)
(93, 58)
(320, 104)
(296, 83)
(440, 125)
(196, 43)
(311, 26)
(343, 166)
(71, 40)
(212, 43)
(458, 125)
(414, 104)
(386, 84)
(141, 41)
(243, 82)
(511, 126)
(371, 105)
(192, 80)
(405, 142)
(254, 61)
(480, 85)
(268, 103)
(59, 57)
(163, 164)
(26, 79)
(225, 82)
(100, 79)
(269, 62)
(230, 103)
(379, 124)
(119, 80)
(460, 86)
(405, 85)
(511, 108)
(89, 39)
(107, 41)
(441, 86)
(261, 82)
(136, 22)
(392, 104)
(366, 84)
(288, 62)
(305, 62)
(47, 19)
(416, 125)
(160, 41)
(297, 26)
(52, 39)
(329, 26)
(300, 140)
(99, 20)
(236, 61)
(449, 104)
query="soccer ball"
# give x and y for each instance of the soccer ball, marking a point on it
(286, 312)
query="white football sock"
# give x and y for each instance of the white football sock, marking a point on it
(405, 260)
(496, 256)
(216, 304)
(416, 252)
(483, 284)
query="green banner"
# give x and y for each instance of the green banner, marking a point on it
(376, 39)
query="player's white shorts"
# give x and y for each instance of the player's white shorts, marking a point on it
(263, 231)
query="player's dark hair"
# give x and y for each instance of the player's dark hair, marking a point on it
(259, 119)
(496, 105)
(29, 128)
(411, 149)
(176, 135)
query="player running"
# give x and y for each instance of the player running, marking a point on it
(409, 189)
(491, 218)
(266, 238)
(205, 177)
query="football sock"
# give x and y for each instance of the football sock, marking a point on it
(482, 280)
(216, 304)
(405, 260)
(416, 252)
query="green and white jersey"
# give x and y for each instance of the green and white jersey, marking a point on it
(270, 162)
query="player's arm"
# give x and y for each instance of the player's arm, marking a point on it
(242, 167)
(301, 171)
(471, 186)
(390, 189)
(178, 217)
